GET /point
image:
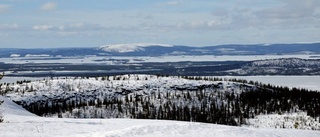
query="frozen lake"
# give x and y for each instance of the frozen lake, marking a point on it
(307, 82)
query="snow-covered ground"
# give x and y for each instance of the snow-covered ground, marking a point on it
(20, 123)
(307, 82)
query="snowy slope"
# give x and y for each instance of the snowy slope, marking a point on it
(20, 123)
(123, 48)
(9, 109)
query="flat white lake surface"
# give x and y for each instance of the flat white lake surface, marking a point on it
(307, 82)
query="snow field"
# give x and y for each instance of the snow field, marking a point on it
(20, 123)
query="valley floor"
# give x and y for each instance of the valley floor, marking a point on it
(20, 123)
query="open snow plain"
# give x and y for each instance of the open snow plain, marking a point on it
(20, 123)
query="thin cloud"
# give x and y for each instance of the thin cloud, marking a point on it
(4, 8)
(292, 9)
(42, 27)
(8, 26)
(172, 3)
(49, 6)
(69, 27)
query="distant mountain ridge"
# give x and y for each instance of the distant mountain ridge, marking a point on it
(124, 48)
(150, 49)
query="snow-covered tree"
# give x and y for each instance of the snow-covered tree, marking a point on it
(1, 116)
(1, 101)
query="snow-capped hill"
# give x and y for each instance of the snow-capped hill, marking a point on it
(287, 62)
(10, 110)
(182, 98)
(124, 48)
(281, 66)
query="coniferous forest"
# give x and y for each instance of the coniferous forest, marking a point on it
(182, 98)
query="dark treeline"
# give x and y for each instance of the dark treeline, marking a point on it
(207, 103)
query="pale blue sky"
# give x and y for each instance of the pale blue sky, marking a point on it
(91, 23)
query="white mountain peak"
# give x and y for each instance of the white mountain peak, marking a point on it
(123, 48)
